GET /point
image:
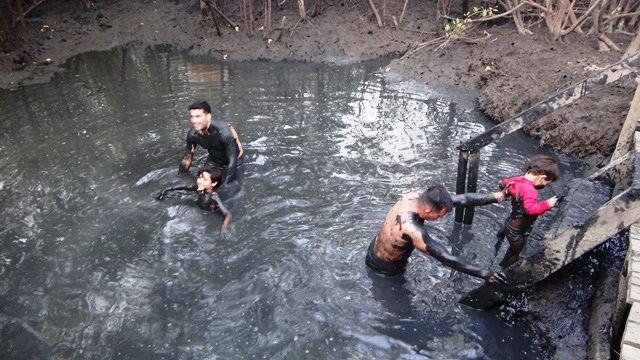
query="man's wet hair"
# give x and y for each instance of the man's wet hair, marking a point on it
(202, 105)
(438, 197)
(216, 174)
(544, 165)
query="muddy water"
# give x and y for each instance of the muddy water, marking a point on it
(93, 267)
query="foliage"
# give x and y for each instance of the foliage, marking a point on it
(456, 27)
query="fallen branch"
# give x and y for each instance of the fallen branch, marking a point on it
(479, 40)
(225, 17)
(608, 42)
(422, 46)
(404, 8)
(214, 17)
(25, 12)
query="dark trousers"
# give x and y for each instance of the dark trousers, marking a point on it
(517, 239)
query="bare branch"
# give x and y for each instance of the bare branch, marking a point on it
(25, 12)
(582, 18)
(373, 9)
(608, 42)
(404, 8)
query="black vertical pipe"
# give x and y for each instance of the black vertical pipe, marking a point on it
(472, 184)
(461, 181)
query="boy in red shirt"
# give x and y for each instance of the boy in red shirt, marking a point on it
(525, 208)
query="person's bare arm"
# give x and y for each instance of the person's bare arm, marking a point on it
(237, 139)
(185, 164)
(225, 212)
(232, 151)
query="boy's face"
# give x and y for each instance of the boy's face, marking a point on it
(541, 181)
(204, 181)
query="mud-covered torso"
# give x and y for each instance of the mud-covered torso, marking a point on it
(407, 247)
(392, 244)
(217, 140)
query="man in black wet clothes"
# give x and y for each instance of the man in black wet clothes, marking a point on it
(403, 231)
(219, 138)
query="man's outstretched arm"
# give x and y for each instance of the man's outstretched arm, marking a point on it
(478, 199)
(437, 250)
(164, 192)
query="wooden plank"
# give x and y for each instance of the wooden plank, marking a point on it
(631, 334)
(633, 294)
(616, 171)
(634, 314)
(560, 99)
(625, 139)
(629, 352)
(636, 162)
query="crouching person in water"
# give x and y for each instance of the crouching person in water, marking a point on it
(207, 181)
(403, 231)
(542, 170)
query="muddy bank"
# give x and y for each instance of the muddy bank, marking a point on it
(508, 71)
(511, 72)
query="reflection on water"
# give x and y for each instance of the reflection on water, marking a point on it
(93, 267)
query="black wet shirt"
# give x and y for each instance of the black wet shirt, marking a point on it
(211, 201)
(218, 141)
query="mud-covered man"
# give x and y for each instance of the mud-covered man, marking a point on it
(217, 137)
(403, 231)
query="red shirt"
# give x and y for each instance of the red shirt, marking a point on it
(524, 192)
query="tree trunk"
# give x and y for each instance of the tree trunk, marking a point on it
(301, 10)
(373, 9)
(633, 47)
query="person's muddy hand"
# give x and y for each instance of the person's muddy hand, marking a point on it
(225, 232)
(496, 278)
(552, 201)
(504, 193)
(161, 195)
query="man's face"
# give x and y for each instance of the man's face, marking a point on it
(431, 214)
(200, 120)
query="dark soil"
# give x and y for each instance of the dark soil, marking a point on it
(510, 71)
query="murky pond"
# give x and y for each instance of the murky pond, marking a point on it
(92, 266)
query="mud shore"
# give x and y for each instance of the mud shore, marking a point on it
(508, 71)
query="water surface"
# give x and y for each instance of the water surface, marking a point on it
(93, 267)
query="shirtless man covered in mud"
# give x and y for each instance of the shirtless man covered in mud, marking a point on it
(403, 231)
